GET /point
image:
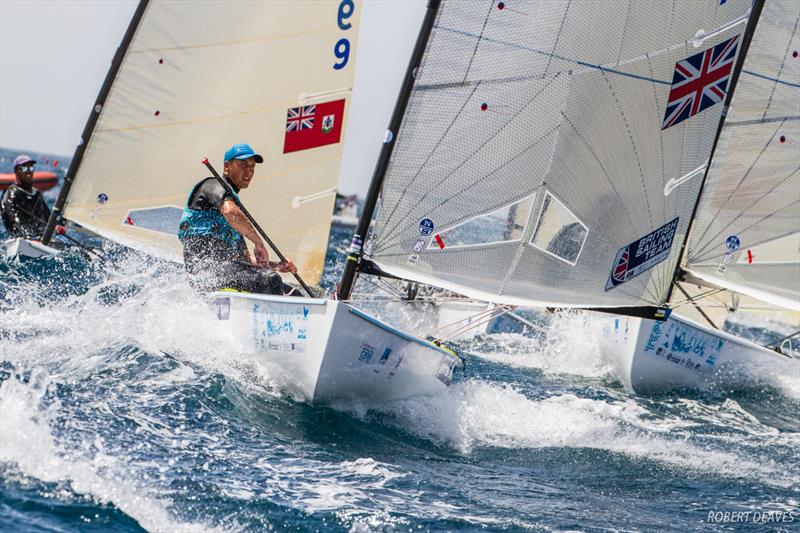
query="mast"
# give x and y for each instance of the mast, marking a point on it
(355, 251)
(105, 89)
(749, 30)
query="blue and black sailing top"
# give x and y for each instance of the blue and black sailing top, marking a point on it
(204, 230)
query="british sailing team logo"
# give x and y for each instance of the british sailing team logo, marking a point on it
(642, 254)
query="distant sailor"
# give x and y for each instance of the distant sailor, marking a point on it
(213, 231)
(23, 208)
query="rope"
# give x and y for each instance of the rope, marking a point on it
(484, 317)
(699, 309)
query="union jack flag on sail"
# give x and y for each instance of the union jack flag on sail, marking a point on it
(700, 81)
(300, 118)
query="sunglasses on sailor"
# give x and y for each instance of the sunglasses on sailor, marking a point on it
(245, 165)
(25, 168)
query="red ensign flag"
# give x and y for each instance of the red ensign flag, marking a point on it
(313, 125)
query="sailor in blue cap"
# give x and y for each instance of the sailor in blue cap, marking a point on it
(213, 231)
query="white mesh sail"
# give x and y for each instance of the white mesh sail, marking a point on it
(564, 105)
(746, 236)
(200, 76)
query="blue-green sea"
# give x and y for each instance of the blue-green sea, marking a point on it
(122, 409)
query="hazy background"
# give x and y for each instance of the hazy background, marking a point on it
(54, 55)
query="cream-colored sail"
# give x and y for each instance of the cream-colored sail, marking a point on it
(200, 76)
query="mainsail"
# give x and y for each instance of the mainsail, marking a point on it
(746, 236)
(539, 140)
(200, 76)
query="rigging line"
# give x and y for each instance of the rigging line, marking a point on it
(780, 70)
(388, 289)
(757, 121)
(465, 321)
(593, 66)
(484, 81)
(285, 36)
(742, 180)
(698, 297)
(478, 41)
(697, 307)
(398, 233)
(435, 148)
(496, 311)
(743, 211)
(474, 153)
(769, 78)
(780, 341)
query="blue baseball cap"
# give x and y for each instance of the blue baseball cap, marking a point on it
(242, 151)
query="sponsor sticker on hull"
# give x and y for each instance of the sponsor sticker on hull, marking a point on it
(642, 254)
(683, 345)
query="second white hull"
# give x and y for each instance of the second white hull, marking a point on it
(652, 356)
(20, 249)
(327, 351)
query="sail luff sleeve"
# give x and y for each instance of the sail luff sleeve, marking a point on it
(354, 253)
(91, 122)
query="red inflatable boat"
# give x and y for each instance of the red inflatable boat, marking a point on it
(41, 180)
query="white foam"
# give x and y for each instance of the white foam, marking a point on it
(570, 348)
(26, 441)
(475, 413)
(163, 314)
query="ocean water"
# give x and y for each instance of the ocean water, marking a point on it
(121, 409)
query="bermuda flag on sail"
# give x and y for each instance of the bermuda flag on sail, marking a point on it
(700, 81)
(313, 125)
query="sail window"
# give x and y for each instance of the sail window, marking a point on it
(558, 231)
(165, 219)
(501, 225)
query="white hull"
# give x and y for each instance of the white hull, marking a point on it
(652, 356)
(328, 351)
(26, 249)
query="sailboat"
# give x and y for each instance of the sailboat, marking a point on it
(743, 249)
(538, 155)
(189, 80)
(576, 155)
